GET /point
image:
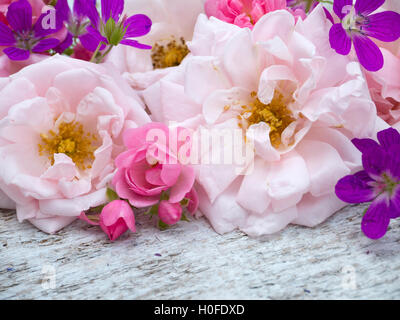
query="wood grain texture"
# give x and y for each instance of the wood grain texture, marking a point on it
(191, 261)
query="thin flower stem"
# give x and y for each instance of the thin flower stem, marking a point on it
(97, 51)
(101, 58)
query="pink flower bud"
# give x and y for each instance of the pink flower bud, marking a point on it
(116, 218)
(169, 213)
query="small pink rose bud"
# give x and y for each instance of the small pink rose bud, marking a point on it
(193, 201)
(116, 218)
(170, 213)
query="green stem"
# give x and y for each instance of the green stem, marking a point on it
(101, 58)
(96, 52)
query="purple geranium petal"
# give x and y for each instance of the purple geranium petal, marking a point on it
(111, 9)
(384, 26)
(45, 45)
(136, 44)
(81, 7)
(6, 35)
(388, 138)
(339, 39)
(394, 161)
(92, 13)
(355, 188)
(365, 7)
(65, 44)
(364, 144)
(137, 25)
(63, 10)
(44, 28)
(329, 16)
(19, 15)
(338, 6)
(394, 208)
(375, 161)
(368, 53)
(376, 220)
(92, 39)
(17, 54)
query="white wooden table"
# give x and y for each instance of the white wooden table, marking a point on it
(191, 261)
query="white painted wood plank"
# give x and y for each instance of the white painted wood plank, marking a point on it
(197, 263)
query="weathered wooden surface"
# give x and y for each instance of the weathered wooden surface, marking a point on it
(190, 261)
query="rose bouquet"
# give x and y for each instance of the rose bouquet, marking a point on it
(256, 114)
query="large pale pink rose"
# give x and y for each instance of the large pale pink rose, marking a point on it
(61, 129)
(384, 84)
(9, 67)
(293, 99)
(173, 23)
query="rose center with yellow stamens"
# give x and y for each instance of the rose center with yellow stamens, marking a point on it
(275, 114)
(73, 141)
(169, 55)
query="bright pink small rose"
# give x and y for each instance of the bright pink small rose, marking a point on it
(170, 213)
(151, 166)
(116, 218)
(243, 13)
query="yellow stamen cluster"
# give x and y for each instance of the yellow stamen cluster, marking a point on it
(71, 140)
(169, 55)
(275, 114)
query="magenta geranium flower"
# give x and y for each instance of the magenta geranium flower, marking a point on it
(23, 37)
(358, 24)
(112, 28)
(75, 20)
(379, 182)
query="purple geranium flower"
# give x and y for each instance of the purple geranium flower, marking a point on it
(23, 37)
(113, 29)
(76, 20)
(357, 24)
(378, 182)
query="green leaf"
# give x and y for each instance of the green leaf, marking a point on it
(112, 195)
(162, 226)
(68, 52)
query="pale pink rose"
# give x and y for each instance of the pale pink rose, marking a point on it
(61, 129)
(384, 84)
(294, 101)
(151, 171)
(9, 67)
(246, 13)
(173, 20)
